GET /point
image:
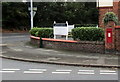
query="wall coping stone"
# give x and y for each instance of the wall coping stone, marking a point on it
(50, 39)
(117, 26)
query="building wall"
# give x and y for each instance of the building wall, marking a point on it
(119, 11)
(102, 10)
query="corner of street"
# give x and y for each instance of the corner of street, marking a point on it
(19, 50)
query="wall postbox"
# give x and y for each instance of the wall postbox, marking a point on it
(109, 35)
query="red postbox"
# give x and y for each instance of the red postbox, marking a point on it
(109, 35)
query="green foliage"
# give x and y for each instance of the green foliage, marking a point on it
(110, 16)
(16, 15)
(85, 25)
(33, 31)
(74, 13)
(42, 32)
(88, 34)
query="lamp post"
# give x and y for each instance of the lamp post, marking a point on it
(31, 10)
(98, 10)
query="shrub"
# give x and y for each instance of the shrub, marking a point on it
(110, 16)
(88, 34)
(33, 31)
(42, 32)
(85, 25)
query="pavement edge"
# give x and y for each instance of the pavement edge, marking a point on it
(60, 63)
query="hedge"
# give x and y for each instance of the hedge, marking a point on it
(88, 34)
(42, 32)
(85, 25)
(33, 31)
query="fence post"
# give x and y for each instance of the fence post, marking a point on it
(41, 43)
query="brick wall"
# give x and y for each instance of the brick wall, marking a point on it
(95, 47)
(116, 9)
(103, 10)
(110, 47)
(35, 42)
(117, 39)
(114, 46)
(85, 46)
(119, 11)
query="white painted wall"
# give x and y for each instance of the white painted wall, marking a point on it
(105, 3)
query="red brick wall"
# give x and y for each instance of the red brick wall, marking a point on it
(117, 31)
(82, 46)
(119, 11)
(115, 8)
(115, 45)
(103, 10)
(85, 46)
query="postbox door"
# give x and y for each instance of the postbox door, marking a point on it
(109, 35)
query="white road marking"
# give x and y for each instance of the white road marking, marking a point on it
(108, 73)
(38, 69)
(10, 69)
(33, 72)
(7, 71)
(87, 70)
(60, 72)
(85, 73)
(63, 70)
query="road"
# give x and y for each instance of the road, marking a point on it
(19, 70)
(14, 37)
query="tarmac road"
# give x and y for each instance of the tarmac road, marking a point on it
(13, 37)
(18, 70)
